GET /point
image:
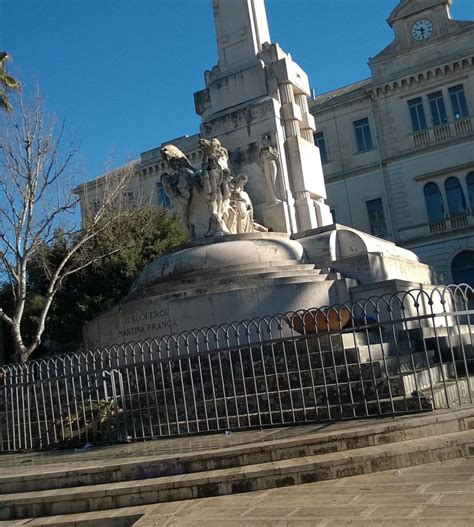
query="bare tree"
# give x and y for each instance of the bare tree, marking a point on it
(36, 201)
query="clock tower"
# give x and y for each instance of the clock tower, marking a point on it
(420, 27)
(417, 21)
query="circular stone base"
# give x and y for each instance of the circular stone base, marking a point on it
(228, 279)
(219, 255)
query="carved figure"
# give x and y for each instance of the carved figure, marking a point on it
(209, 200)
(175, 158)
(216, 175)
(269, 161)
(240, 214)
(179, 184)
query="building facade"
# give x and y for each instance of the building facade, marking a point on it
(398, 148)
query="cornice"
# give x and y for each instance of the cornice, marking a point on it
(446, 171)
(440, 71)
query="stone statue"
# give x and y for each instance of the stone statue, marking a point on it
(209, 201)
(240, 214)
(216, 175)
(269, 161)
(179, 183)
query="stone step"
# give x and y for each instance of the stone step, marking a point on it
(345, 341)
(452, 393)
(462, 356)
(123, 517)
(252, 267)
(453, 346)
(231, 283)
(225, 276)
(379, 350)
(439, 331)
(423, 378)
(408, 362)
(300, 278)
(247, 478)
(304, 441)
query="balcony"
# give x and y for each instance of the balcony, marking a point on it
(447, 225)
(443, 132)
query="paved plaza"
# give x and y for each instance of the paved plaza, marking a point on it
(435, 495)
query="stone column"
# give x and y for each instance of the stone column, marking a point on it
(289, 110)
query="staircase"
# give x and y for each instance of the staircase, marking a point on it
(112, 486)
(240, 276)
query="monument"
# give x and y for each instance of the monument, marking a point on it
(255, 102)
(262, 238)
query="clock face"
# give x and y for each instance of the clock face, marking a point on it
(421, 29)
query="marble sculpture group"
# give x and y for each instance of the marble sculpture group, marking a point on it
(210, 200)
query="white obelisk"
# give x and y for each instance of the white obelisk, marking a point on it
(255, 102)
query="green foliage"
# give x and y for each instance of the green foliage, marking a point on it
(141, 237)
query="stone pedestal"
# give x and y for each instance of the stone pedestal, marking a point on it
(233, 278)
(217, 281)
(276, 216)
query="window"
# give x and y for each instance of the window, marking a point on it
(438, 109)
(462, 268)
(320, 142)
(163, 198)
(333, 214)
(417, 114)
(434, 202)
(376, 217)
(470, 188)
(455, 195)
(458, 101)
(363, 135)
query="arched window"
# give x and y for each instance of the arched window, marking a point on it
(470, 188)
(455, 195)
(434, 202)
(462, 268)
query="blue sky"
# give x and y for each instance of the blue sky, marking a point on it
(123, 72)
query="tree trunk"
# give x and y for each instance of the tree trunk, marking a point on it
(22, 353)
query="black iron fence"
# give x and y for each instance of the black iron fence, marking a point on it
(391, 355)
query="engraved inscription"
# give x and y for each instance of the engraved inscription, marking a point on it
(144, 323)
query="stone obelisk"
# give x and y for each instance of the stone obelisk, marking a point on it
(255, 102)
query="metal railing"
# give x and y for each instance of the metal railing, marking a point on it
(391, 355)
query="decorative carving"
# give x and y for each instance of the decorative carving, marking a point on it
(209, 200)
(179, 183)
(215, 178)
(240, 214)
(269, 158)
